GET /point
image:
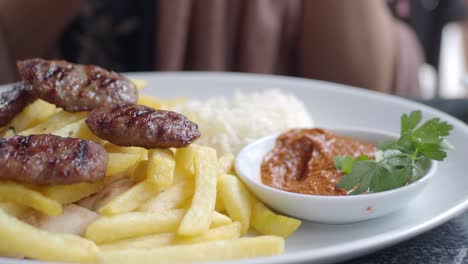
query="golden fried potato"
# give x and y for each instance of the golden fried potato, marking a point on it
(226, 163)
(171, 198)
(161, 164)
(124, 226)
(119, 162)
(236, 200)
(77, 129)
(21, 239)
(18, 194)
(268, 223)
(97, 200)
(13, 209)
(111, 148)
(70, 193)
(130, 200)
(151, 101)
(184, 158)
(54, 122)
(225, 232)
(139, 171)
(135, 224)
(31, 115)
(219, 206)
(160, 104)
(144, 242)
(241, 248)
(219, 219)
(139, 83)
(197, 220)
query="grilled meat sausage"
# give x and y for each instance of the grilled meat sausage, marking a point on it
(75, 87)
(50, 160)
(12, 102)
(141, 126)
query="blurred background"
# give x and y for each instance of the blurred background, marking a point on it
(413, 48)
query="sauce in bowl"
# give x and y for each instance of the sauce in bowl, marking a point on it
(302, 161)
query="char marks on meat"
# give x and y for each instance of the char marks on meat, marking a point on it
(141, 126)
(50, 160)
(12, 102)
(75, 87)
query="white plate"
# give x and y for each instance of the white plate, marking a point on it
(333, 105)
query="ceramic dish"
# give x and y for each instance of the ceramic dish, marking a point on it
(328, 209)
(334, 105)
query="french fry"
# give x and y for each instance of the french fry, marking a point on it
(157, 103)
(139, 83)
(151, 101)
(139, 171)
(7, 132)
(145, 242)
(124, 226)
(184, 158)
(111, 148)
(225, 232)
(97, 200)
(70, 193)
(236, 200)
(54, 122)
(130, 200)
(16, 210)
(219, 219)
(268, 223)
(219, 206)
(198, 217)
(21, 239)
(135, 224)
(18, 194)
(31, 115)
(247, 247)
(171, 198)
(161, 164)
(119, 163)
(226, 163)
(77, 129)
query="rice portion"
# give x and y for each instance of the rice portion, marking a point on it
(228, 124)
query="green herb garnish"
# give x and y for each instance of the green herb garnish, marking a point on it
(398, 162)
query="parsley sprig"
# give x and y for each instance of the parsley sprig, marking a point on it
(398, 162)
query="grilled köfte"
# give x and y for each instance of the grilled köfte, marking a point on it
(141, 126)
(49, 160)
(75, 87)
(12, 101)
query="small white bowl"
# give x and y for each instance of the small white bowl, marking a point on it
(327, 209)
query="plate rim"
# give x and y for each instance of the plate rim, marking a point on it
(347, 250)
(354, 248)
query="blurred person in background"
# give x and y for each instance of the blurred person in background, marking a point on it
(428, 18)
(435, 24)
(352, 42)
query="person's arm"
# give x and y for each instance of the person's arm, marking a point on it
(30, 28)
(352, 42)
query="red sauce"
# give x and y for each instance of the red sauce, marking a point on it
(302, 161)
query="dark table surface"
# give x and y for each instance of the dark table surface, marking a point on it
(447, 243)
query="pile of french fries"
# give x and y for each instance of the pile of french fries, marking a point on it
(153, 206)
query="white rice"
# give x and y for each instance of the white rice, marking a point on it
(228, 124)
